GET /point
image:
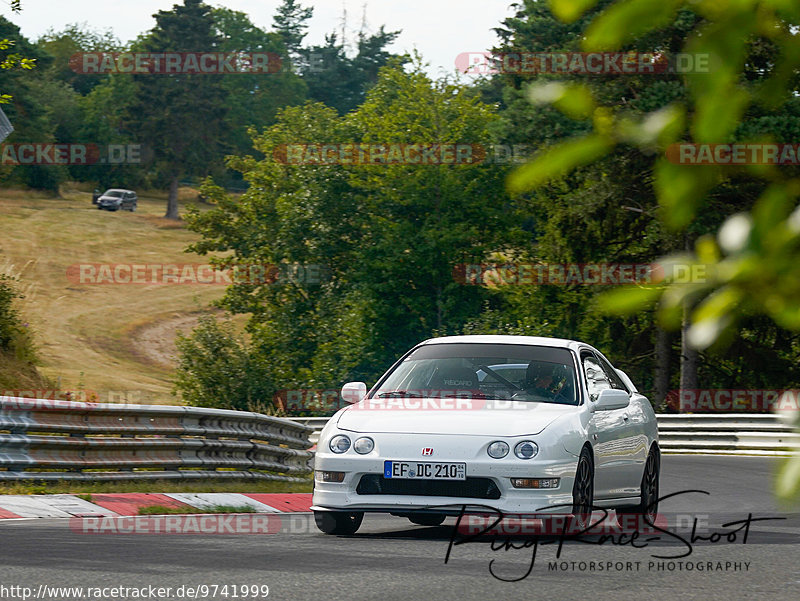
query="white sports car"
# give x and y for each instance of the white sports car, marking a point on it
(525, 425)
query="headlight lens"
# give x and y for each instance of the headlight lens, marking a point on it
(364, 445)
(498, 449)
(339, 443)
(527, 449)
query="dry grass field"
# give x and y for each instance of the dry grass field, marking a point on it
(116, 340)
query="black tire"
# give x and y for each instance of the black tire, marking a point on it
(582, 492)
(338, 522)
(427, 519)
(631, 516)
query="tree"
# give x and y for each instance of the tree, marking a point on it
(340, 81)
(11, 60)
(389, 235)
(73, 39)
(290, 23)
(751, 263)
(253, 99)
(607, 211)
(29, 112)
(180, 116)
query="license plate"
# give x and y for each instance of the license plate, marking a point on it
(424, 470)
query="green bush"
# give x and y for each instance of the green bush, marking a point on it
(216, 368)
(15, 338)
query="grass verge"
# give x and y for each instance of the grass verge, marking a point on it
(84, 489)
(162, 510)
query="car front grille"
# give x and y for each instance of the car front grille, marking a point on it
(473, 488)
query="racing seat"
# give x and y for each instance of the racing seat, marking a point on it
(455, 378)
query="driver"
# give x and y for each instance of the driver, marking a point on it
(544, 379)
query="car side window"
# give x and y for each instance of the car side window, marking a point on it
(613, 376)
(596, 377)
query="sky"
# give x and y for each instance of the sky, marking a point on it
(438, 29)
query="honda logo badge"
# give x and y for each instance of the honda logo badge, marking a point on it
(427, 451)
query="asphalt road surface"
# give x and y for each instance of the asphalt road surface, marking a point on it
(390, 558)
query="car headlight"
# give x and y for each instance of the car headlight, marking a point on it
(364, 445)
(498, 449)
(339, 443)
(527, 449)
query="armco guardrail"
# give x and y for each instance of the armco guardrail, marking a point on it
(727, 434)
(316, 423)
(55, 440)
(682, 433)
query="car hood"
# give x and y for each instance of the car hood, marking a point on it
(505, 418)
(109, 198)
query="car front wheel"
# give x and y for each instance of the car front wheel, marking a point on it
(338, 522)
(583, 492)
(630, 517)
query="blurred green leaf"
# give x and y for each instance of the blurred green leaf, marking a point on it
(557, 161)
(718, 115)
(788, 485)
(660, 127)
(570, 10)
(680, 188)
(574, 100)
(772, 208)
(623, 301)
(626, 20)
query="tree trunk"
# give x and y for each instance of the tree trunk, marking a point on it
(172, 200)
(689, 356)
(663, 351)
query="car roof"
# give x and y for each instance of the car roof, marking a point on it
(118, 190)
(503, 339)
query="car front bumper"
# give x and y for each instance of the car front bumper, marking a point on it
(553, 461)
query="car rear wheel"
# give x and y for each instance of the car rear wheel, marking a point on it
(631, 517)
(583, 492)
(338, 522)
(426, 519)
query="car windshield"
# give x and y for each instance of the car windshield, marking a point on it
(114, 194)
(491, 371)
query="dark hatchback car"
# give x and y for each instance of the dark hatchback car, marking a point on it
(116, 199)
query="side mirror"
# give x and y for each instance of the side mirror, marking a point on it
(610, 399)
(353, 392)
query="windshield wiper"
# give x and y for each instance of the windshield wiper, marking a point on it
(399, 393)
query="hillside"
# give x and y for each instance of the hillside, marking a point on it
(115, 340)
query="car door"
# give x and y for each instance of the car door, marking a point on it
(634, 445)
(606, 431)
